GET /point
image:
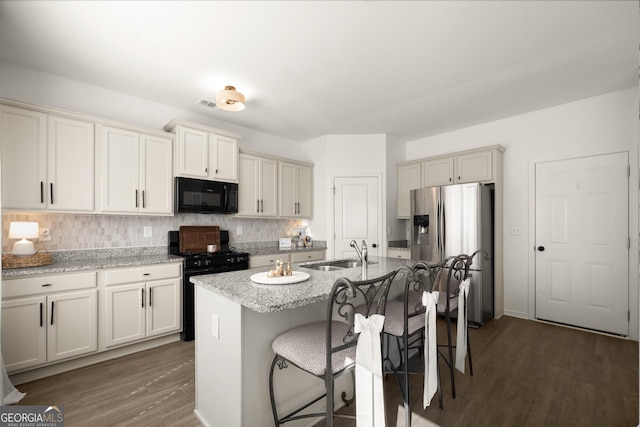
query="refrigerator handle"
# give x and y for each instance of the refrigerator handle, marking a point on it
(439, 229)
(443, 228)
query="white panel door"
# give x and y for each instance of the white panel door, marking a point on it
(356, 215)
(163, 307)
(24, 333)
(72, 324)
(70, 165)
(119, 177)
(125, 314)
(581, 242)
(156, 175)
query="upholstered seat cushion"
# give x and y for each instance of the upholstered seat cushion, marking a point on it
(305, 347)
(442, 302)
(394, 319)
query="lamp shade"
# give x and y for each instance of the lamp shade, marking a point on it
(23, 231)
(229, 99)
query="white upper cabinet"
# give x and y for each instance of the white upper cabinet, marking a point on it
(457, 168)
(437, 172)
(474, 167)
(205, 153)
(408, 179)
(258, 186)
(192, 153)
(47, 161)
(295, 192)
(135, 172)
(223, 158)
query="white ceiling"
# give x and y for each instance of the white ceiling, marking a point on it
(407, 69)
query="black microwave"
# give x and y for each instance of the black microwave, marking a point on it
(202, 196)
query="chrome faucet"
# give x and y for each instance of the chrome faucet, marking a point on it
(363, 255)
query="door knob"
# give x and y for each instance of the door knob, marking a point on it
(374, 245)
(541, 248)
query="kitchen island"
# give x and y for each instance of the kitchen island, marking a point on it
(236, 321)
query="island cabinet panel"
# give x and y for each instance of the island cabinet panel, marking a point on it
(58, 322)
(238, 355)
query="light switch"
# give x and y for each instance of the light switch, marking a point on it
(239, 230)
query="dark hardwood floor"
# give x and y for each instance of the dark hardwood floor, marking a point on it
(525, 374)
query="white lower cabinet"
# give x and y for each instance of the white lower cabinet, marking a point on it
(294, 257)
(49, 327)
(135, 309)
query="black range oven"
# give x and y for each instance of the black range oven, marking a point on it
(197, 264)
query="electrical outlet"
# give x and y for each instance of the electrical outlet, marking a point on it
(239, 230)
(45, 235)
(516, 230)
(215, 326)
(147, 231)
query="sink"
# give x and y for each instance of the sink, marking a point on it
(334, 265)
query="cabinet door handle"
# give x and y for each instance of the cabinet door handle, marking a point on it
(52, 305)
(143, 201)
(206, 170)
(46, 285)
(258, 205)
(136, 198)
(41, 192)
(150, 296)
(51, 191)
(41, 314)
(142, 299)
(261, 205)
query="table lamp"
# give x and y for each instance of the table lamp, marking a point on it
(23, 231)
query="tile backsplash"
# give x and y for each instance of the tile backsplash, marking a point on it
(70, 231)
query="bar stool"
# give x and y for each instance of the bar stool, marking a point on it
(453, 282)
(306, 348)
(405, 322)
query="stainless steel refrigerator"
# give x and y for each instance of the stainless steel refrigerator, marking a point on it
(452, 220)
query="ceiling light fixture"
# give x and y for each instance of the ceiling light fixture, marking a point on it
(229, 99)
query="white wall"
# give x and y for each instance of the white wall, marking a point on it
(36, 87)
(597, 125)
(344, 155)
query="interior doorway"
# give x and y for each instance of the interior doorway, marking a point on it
(582, 242)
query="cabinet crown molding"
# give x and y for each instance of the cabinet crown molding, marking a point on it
(498, 148)
(277, 158)
(171, 126)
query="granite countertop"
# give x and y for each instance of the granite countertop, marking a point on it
(238, 287)
(95, 259)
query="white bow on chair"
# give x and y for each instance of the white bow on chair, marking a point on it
(429, 300)
(461, 334)
(369, 387)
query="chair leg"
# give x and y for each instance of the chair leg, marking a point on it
(439, 382)
(330, 408)
(405, 362)
(271, 395)
(450, 362)
(469, 353)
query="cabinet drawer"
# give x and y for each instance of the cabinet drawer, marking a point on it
(142, 273)
(266, 260)
(47, 284)
(399, 253)
(307, 256)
